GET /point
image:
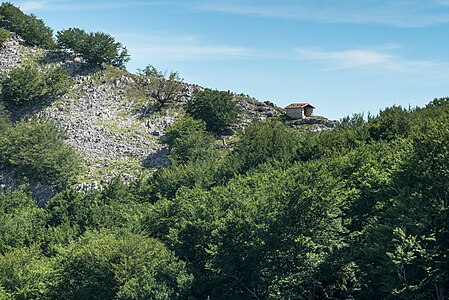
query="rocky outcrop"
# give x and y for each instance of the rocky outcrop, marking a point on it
(13, 53)
(251, 109)
(316, 124)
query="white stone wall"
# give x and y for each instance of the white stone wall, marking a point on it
(308, 111)
(295, 113)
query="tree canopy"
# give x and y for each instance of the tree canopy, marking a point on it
(29, 27)
(217, 109)
(95, 47)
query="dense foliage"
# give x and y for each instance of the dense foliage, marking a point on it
(95, 47)
(4, 35)
(28, 83)
(31, 29)
(35, 149)
(359, 212)
(217, 109)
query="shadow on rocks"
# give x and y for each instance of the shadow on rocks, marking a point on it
(157, 159)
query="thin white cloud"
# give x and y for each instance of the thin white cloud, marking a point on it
(66, 5)
(368, 59)
(344, 59)
(33, 5)
(400, 13)
(182, 52)
(169, 47)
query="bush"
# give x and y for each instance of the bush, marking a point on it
(164, 88)
(217, 109)
(32, 30)
(127, 266)
(23, 85)
(26, 274)
(4, 35)
(58, 81)
(261, 142)
(35, 149)
(188, 140)
(22, 224)
(5, 121)
(94, 47)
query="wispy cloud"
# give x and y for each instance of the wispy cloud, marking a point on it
(367, 59)
(65, 5)
(169, 47)
(33, 5)
(400, 13)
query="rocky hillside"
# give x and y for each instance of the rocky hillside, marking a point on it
(107, 114)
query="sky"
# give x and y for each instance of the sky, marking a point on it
(344, 57)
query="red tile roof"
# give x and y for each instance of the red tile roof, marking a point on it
(299, 105)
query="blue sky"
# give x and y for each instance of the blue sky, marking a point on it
(345, 56)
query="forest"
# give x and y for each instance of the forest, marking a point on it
(357, 212)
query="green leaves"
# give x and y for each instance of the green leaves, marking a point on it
(26, 274)
(25, 84)
(30, 28)
(188, 140)
(4, 35)
(96, 47)
(36, 150)
(215, 108)
(128, 266)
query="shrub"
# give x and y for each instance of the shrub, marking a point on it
(32, 30)
(26, 274)
(217, 109)
(95, 47)
(150, 71)
(5, 121)
(4, 35)
(164, 88)
(125, 266)
(35, 149)
(58, 81)
(188, 140)
(23, 84)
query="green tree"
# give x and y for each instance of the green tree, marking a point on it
(188, 140)
(163, 88)
(167, 181)
(96, 47)
(263, 141)
(150, 71)
(5, 121)
(36, 149)
(58, 81)
(166, 88)
(392, 122)
(26, 274)
(102, 265)
(22, 224)
(23, 84)
(217, 109)
(4, 35)
(31, 29)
